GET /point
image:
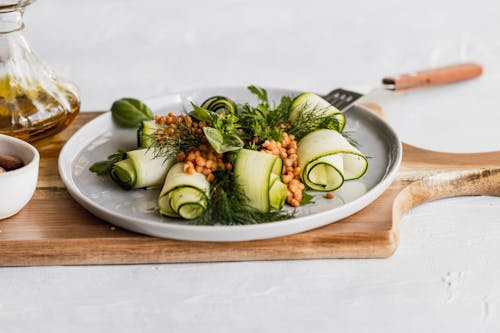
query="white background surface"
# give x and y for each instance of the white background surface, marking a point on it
(444, 276)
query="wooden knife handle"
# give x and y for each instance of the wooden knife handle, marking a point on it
(434, 76)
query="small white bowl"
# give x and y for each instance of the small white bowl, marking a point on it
(17, 186)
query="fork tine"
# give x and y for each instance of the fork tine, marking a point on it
(341, 98)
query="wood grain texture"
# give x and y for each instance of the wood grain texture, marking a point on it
(54, 230)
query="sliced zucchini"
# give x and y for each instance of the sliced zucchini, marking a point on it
(327, 159)
(140, 169)
(219, 104)
(145, 133)
(184, 195)
(311, 104)
(258, 175)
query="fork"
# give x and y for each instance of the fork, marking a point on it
(342, 99)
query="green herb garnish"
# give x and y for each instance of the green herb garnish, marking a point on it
(103, 168)
(313, 120)
(167, 146)
(222, 134)
(227, 205)
(130, 112)
(306, 198)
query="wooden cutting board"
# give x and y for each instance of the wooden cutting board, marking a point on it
(54, 230)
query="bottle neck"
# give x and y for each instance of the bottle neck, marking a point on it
(11, 21)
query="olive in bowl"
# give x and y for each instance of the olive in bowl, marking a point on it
(18, 174)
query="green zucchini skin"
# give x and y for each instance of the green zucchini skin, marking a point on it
(327, 159)
(307, 103)
(145, 133)
(141, 169)
(123, 173)
(219, 104)
(184, 195)
(259, 176)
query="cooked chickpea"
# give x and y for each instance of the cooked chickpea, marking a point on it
(170, 131)
(210, 164)
(180, 156)
(286, 178)
(191, 157)
(200, 161)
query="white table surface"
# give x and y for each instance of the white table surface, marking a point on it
(445, 275)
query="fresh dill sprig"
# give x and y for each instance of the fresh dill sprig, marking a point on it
(168, 140)
(228, 205)
(315, 118)
(268, 122)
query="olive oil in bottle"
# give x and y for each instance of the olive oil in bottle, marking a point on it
(34, 102)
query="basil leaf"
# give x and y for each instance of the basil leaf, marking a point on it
(130, 112)
(203, 114)
(231, 142)
(222, 143)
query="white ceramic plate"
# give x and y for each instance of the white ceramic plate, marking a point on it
(137, 210)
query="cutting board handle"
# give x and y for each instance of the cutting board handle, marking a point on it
(446, 185)
(433, 76)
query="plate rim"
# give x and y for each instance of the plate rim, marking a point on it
(213, 232)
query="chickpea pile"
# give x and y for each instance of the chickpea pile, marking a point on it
(204, 160)
(287, 151)
(172, 122)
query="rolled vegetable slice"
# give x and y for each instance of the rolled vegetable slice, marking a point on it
(140, 169)
(311, 104)
(326, 159)
(258, 175)
(145, 133)
(184, 195)
(219, 104)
